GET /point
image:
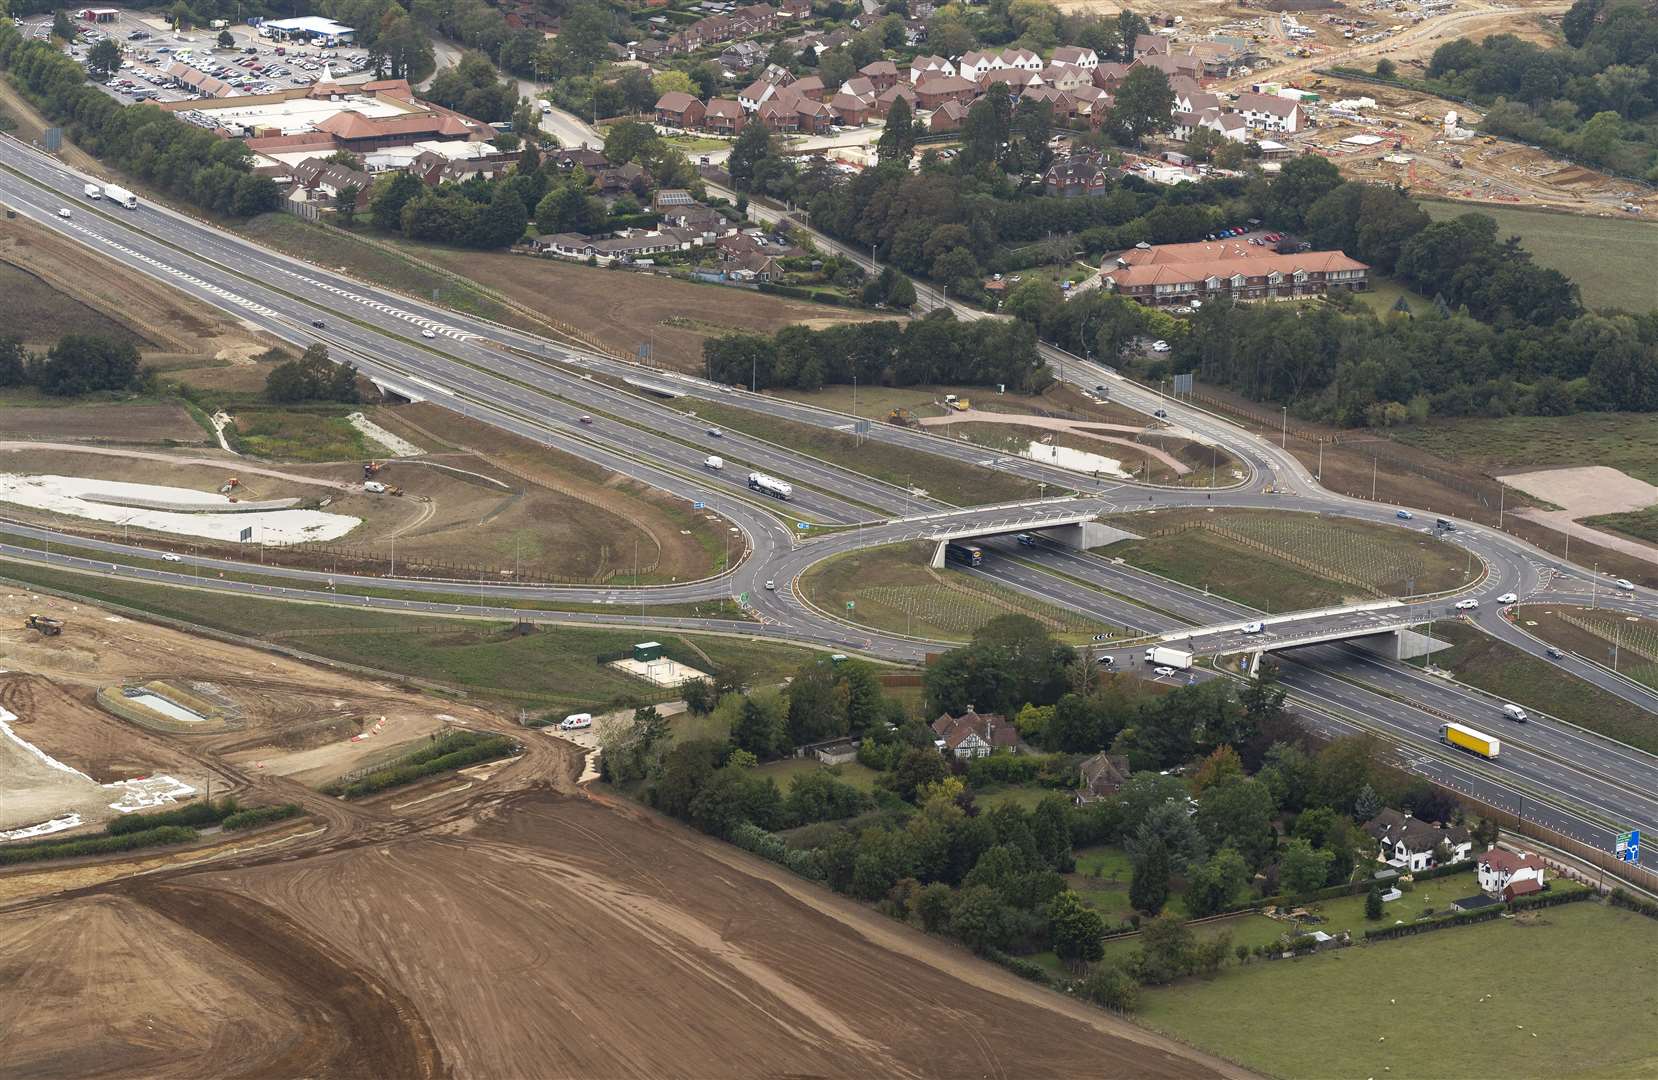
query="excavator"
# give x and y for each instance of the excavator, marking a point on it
(48, 626)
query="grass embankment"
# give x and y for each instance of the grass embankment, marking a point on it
(1481, 660)
(135, 831)
(1624, 441)
(553, 665)
(301, 435)
(1612, 638)
(445, 753)
(1639, 524)
(1577, 988)
(894, 589)
(1610, 259)
(949, 481)
(40, 313)
(1288, 561)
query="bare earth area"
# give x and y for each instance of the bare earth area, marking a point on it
(103, 423)
(1587, 492)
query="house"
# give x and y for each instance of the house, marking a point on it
(777, 75)
(582, 157)
(850, 110)
(883, 103)
(974, 735)
(1269, 112)
(811, 87)
(1172, 64)
(1017, 80)
(328, 179)
(861, 88)
(1075, 56)
(1073, 177)
(1091, 102)
(1266, 276)
(1109, 76)
(724, 116)
(882, 74)
(1150, 45)
(1061, 77)
(947, 117)
(758, 93)
(1101, 776)
(1410, 843)
(795, 9)
(619, 178)
(976, 65)
(1062, 104)
(741, 56)
(1021, 60)
(1501, 870)
(941, 88)
(679, 109)
(926, 67)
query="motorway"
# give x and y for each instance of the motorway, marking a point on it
(1579, 783)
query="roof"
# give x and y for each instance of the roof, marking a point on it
(1071, 54)
(1312, 262)
(1505, 861)
(879, 67)
(944, 84)
(849, 102)
(725, 107)
(1270, 103)
(675, 101)
(311, 24)
(859, 86)
(1150, 43)
(1203, 251)
(993, 728)
(1104, 773)
(807, 85)
(354, 125)
(1522, 887)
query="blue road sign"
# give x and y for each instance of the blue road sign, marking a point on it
(1629, 846)
(696, 506)
(802, 526)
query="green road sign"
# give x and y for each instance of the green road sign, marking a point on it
(850, 605)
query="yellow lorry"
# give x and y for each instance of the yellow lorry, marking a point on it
(1467, 738)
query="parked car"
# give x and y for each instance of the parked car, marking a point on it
(1159, 346)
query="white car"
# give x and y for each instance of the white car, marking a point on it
(1253, 627)
(771, 586)
(1159, 346)
(169, 557)
(1625, 584)
(1507, 598)
(1163, 672)
(1468, 604)
(64, 213)
(427, 334)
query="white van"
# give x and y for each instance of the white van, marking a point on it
(713, 463)
(580, 721)
(1515, 713)
(374, 486)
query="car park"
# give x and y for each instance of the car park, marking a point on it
(1468, 604)
(1507, 598)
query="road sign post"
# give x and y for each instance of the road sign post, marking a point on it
(1628, 848)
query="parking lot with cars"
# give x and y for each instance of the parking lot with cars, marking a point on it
(252, 65)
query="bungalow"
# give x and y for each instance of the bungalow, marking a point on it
(615, 249)
(1268, 112)
(947, 117)
(926, 67)
(1102, 776)
(974, 735)
(882, 74)
(941, 88)
(1412, 844)
(578, 157)
(679, 109)
(1074, 177)
(1075, 56)
(724, 116)
(1501, 870)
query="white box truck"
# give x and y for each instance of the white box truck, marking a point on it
(93, 191)
(121, 195)
(1165, 657)
(712, 462)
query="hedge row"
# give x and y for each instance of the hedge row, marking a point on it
(771, 847)
(261, 815)
(96, 845)
(1025, 969)
(195, 815)
(1630, 902)
(453, 751)
(1460, 918)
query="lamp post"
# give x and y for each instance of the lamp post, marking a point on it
(1284, 431)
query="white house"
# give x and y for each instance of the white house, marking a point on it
(1265, 112)
(926, 67)
(1505, 874)
(1076, 56)
(1410, 844)
(974, 66)
(1021, 59)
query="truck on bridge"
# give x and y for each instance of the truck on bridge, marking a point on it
(1460, 735)
(769, 485)
(1179, 659)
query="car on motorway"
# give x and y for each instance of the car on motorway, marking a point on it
(1467, 605)
(1026, 540)
(169, 557)
(1554, 653)
(1625, 584)
(319, 324)
(585, 419)
(1102, 389)
(427, 334)
(1507, 598)
(1403, 515)
(63, 212)
(1163, 672)
(716, 433)
(1253, 627)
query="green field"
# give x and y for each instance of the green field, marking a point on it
(1287, 561)
(950, 481)
(1481, 660)
(1567, 992)
(1611, 259)
(1625, 441)
(1611, 638)
(293, 435)
(1640, 524)
(859, 776)
(894, 589)
(554, 665)
(1384, 292)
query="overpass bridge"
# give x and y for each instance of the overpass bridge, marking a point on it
(1385, 627)
(1062, 521)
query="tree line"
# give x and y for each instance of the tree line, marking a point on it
(938, 348)
(77, 364)
(155, 146)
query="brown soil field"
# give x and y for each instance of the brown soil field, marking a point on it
(40, 314)
(103, 423)
(622, 309)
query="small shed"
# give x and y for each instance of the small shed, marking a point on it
(647, 651)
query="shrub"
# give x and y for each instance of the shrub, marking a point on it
(454, 750)
(96, 845)
(261, 815)
(1627, 900)
(195, 814)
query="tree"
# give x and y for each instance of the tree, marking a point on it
(1238, 814)
(226, 40)
(817, 704)
(897, 141)
(85, 363)
(985, 131)
(1166, 946)
(1299, 185)
(1144, 104)
(761, 725)
(345, 202)
(919, 766)
(63, 27)
(12, 356)
(393, 192)
(1108, 984)
(1373, 902)
(684, 772)
(630, 140)
(180, 15)
(1367, 804)
(752, 146)
(980, 918)
(664, 82)
(1302, 868)
(1219, 767)
(1077, 931)
(1148, 889)
(1386, 69)
(1214, 886)
(932, 906)
(699, 696)
(1484, 833)
(103, 59)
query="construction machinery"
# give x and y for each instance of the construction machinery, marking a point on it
(902, 417)
(372, 469)
(48, 626)
(393, 489)
(959, 404)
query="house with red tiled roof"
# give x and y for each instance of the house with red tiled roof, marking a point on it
(849, 109)
(947, 117)
(975, 735)
(1501, 870)
(724, 116)
(883, 74)
(811, 86)
(1109, 76)
(941, 88)
(1171, 64)
(679, 109)
(1268, 276)
(883, 103)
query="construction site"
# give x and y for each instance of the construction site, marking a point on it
(499, 920)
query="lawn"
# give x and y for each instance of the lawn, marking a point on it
(955, 482)
(893, 588)
(1611, 259)
(1384, 292)
(1612, 638)
(859, 776)
(1626, 441)
(1481, 660)
(554, 665)
(300, 436)
(1287, 561)
(1567, 992)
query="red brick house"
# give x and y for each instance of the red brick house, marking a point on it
(1264, 277)
(725, 116)
(941, 88)
(849, 109)
(679, 109)
(947, 117)
(811, 86)
(883, 103)
(883, 74)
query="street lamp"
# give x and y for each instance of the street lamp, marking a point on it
(1284, 432)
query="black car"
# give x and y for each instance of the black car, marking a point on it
(1555, 654)
(319, 324)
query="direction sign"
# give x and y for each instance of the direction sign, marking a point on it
(697, 506)
(247, 533)
(802, 526)
(1100, 637)
(851, 604)
(1629, 846)
(742, 598)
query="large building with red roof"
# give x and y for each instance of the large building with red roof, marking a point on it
(1176, 274)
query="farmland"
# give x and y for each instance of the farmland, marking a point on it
(1624, 441)
(1369, 1011)
(1611, 259)
(894, 589)
(1285, 562)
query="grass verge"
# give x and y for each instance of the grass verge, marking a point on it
(894, 589)
(445, 753)
(1624, 441)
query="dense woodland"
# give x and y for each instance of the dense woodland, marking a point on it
(1255, 798)
(77, 364)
